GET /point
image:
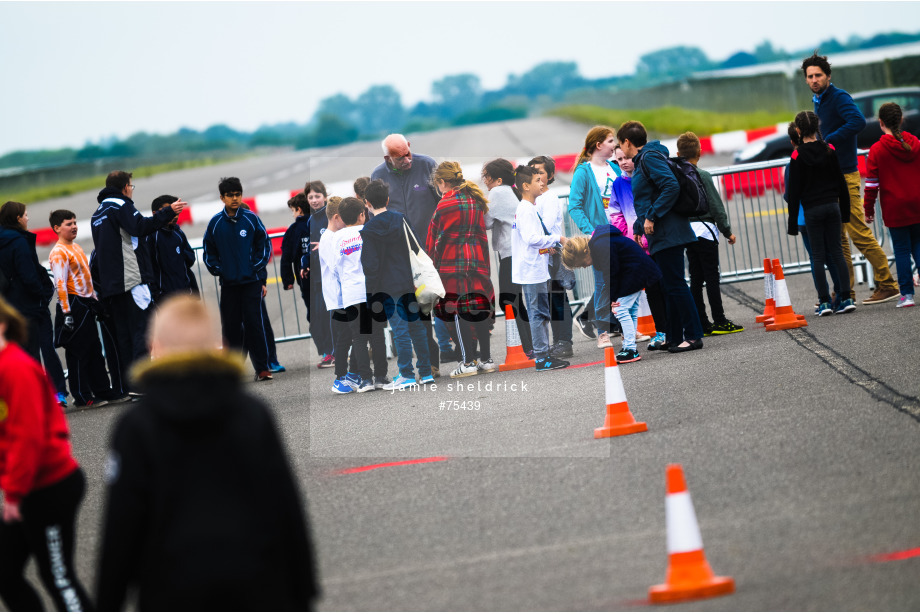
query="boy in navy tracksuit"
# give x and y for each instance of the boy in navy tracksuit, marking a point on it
(294, 246)
(171, 258)
(236, 249)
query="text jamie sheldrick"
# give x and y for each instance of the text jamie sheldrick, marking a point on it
(471, 387)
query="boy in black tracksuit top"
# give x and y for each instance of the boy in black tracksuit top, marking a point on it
(236, 249)
(171, 258)
(202, 509)
(294, 246)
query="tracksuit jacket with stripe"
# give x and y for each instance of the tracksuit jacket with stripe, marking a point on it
(236, 248)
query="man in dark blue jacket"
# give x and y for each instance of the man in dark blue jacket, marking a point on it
(841, 121)
(171, 258)
(117, 225)
(236, 250)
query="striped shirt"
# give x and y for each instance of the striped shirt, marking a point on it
(71, 273)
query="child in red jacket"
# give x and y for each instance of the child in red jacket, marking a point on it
(894, 169)
(41, 482)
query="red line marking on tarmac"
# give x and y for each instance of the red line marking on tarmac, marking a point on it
(417, 461)
(587, 364)
(895, 556)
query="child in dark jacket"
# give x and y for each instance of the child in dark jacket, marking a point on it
(626, 270)
(388, 279)
(171, 257)
(294, 246)
(816, 181)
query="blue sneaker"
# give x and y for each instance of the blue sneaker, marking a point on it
(366, 385)
(846, 306)
(401, 383)
(276, 367)
(659, 342)
(428, 379)
(62, 399)
(824, 309)
(343, 385)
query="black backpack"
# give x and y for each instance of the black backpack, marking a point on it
(692, 201)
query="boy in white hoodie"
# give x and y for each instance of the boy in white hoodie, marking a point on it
(531, 246)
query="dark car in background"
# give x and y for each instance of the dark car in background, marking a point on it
(778, 146)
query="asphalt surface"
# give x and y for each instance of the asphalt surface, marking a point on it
(799, 449)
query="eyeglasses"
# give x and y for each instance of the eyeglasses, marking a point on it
(233, 195)
(131, 185)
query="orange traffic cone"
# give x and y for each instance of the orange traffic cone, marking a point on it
(619, 419)
(689, 575)
(515, 358)
(785, 318)
(646, 323)
(769, 307)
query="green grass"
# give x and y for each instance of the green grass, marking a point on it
(672, 121)
(67, 188)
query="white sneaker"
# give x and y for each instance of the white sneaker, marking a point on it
(488, 366)
(906, 300)
(400, 383)
(641, 337)
(603, 341)
(464, 370)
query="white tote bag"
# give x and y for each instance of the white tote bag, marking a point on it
(425, 278)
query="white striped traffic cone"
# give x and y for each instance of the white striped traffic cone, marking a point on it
(689, 575)
(769, 307)
(785, 318)
(515, 358)
(619, 420)
(646, 323)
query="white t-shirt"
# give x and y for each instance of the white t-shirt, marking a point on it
(332, 290)
(605, 177)
(550, 207)
(530, 246)
(348, 268)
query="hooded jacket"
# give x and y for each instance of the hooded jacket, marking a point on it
(655, 192)
(385, 255)
(586, 206)
(116, 226)
(815, 178)
(236, 248)
(895, 172)
(171, 261)
(30, 288)
(841, 121)
(294, 246)
(625, 266)
(202, 510)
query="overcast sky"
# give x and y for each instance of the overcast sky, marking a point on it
(73, 71)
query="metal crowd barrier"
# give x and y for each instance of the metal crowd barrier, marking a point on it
(753, 198)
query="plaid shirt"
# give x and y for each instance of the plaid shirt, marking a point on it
(457, 240)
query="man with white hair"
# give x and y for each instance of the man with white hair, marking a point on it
(409, 178)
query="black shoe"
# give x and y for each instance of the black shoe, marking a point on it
(726, 328)
(450, 356)
(586, 328)
(694, 345)
(708, 329)
(561, 349)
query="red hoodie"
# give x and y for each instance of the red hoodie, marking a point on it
(896, 173)
(34, 438)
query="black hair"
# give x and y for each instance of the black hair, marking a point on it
(161, 201)
(350, 210)
(229, 184)
(10, 213)
(118, 180)
(807, 123)
(299, 202)
(793, 134)
(377, 193)
(523, 174)
(890, 114)
(816, 60)
(548, 163)
(59, 216)
(315, 186)
(634, 132)
(500, 168)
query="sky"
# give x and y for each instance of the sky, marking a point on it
(74, 72)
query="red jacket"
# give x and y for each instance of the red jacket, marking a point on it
(896, 173)
(34, 438)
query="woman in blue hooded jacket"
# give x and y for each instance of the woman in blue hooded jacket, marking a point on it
(655, 192)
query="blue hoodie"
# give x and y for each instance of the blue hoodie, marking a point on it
(236, 248)
(385, 255)
(586, 205)
(171, 261)
(655, 192)
(625, 266)
(30, 288)
(841, 120)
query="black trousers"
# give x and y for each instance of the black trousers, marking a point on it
(47, 532)
(127, 325)
(434, 350)
(318, 316)
(346, 326)
(40, 344)
(269, 334)
(703, 259)
(83, 353)
(241, 306)
(658, 306)
(509, 293)
(462, 331)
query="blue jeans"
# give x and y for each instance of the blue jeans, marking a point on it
(683, 319)
(602, 315)
(906, 243)
(536, 298)
(408, 332)
(628, 315)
